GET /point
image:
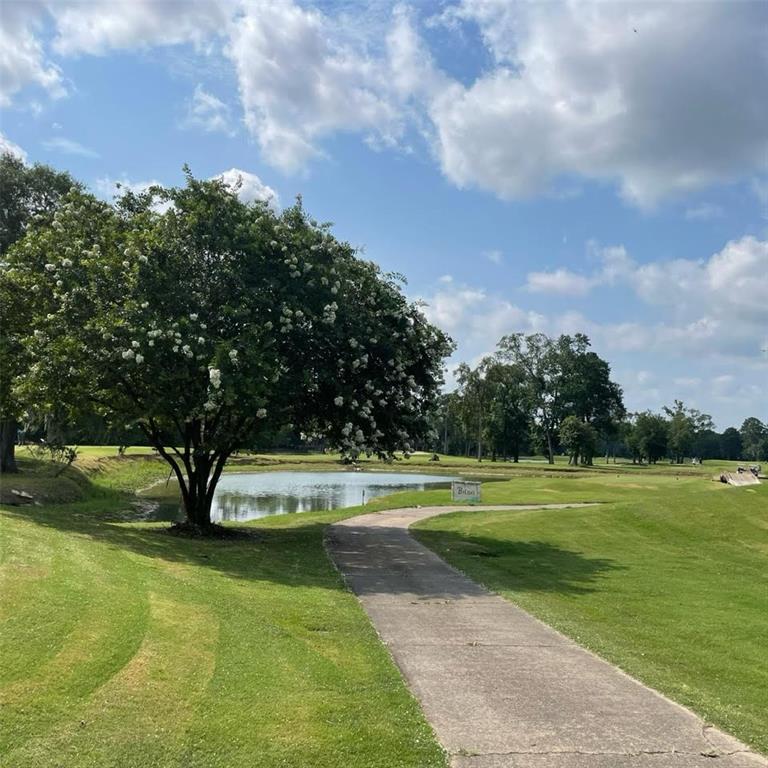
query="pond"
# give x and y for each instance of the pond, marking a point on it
(248, 495)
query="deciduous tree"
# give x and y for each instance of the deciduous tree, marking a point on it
(28, 194)
(214, 324)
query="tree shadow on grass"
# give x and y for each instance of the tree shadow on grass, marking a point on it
(296, 556)
(291, 556)
(520, 566)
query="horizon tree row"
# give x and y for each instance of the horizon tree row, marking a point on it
(544, 396)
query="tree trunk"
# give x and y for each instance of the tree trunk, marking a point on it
(8, 428)
(550, 452)
(198, 511)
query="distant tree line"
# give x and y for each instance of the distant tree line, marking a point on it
(554, 396)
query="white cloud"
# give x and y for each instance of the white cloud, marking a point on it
(68, 147)
(249, 186)
(615, 264)
(703, 212)
(576, 91)
(23, 61)
(8, 147)
(709, 295)
(612, 92)
(208, 112)
(495, 256)
(305, 82)
(104, 25)
(561, 281)
(697, 332)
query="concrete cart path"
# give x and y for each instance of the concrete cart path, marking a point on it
(501, 689)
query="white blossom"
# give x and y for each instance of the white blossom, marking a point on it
(338, 400)
(193, 316)
(135, 344)
(50, 267)
(66, 262)
(233, 354)
(261, 413)
(214, 374)
(143, 259)
(200, 340)
(59, 283)
(151, 342)
(128, 354)
(139, 359)
(126, 264)
(144, 304)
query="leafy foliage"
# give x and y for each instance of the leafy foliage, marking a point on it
(215, 323)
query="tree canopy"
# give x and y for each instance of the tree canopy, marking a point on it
(214, 323)
(29, 196)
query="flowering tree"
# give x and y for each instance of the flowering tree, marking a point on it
(217, 322)
(27, 194)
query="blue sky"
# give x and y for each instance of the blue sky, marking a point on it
(546, 166)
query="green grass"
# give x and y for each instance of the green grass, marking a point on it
(125, 646)
(669, 581)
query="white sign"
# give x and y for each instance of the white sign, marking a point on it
(464, 490)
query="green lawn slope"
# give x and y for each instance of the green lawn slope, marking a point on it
(670, 582)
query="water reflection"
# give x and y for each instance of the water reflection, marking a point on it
(245, 496)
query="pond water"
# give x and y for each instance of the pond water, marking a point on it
(248, 495)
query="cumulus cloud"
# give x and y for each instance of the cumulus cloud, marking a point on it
(208, 112)
(304, 83)
(561, 281)
(611, 92)
(697, 331)
(615, 264)
(8, 147)
(23, 60)
(105, 25)
(249, 186)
